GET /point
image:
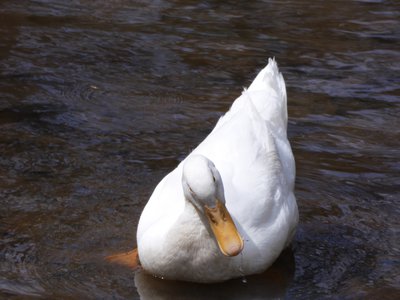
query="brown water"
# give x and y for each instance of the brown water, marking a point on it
(100, 99)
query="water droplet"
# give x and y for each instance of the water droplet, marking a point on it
(244, 280)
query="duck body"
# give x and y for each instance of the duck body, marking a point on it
(250, 150)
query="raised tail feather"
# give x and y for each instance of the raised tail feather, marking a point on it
(267, 93)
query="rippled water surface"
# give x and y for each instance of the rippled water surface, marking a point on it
(100, 99)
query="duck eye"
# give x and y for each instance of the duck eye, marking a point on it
(190, 189)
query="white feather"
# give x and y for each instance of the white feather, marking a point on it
(249, 147)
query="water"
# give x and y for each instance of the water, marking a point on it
(100, 99)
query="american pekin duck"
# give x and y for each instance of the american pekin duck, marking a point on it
(228, 209)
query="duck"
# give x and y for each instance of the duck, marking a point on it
(228, 209)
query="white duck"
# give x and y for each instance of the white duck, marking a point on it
(228, 209)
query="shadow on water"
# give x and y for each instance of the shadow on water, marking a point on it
(272, 284)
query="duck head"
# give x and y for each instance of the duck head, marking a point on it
(203, 188)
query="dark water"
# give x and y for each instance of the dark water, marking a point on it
(100, 99)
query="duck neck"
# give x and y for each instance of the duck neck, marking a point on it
(192, 226)
(193, 215)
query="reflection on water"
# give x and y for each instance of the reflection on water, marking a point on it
(270, 285)
(100, 99)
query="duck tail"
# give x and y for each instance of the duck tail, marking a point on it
(268, 94)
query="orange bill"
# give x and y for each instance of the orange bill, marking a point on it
(229, 240)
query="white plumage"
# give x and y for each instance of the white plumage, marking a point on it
(250, 150)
